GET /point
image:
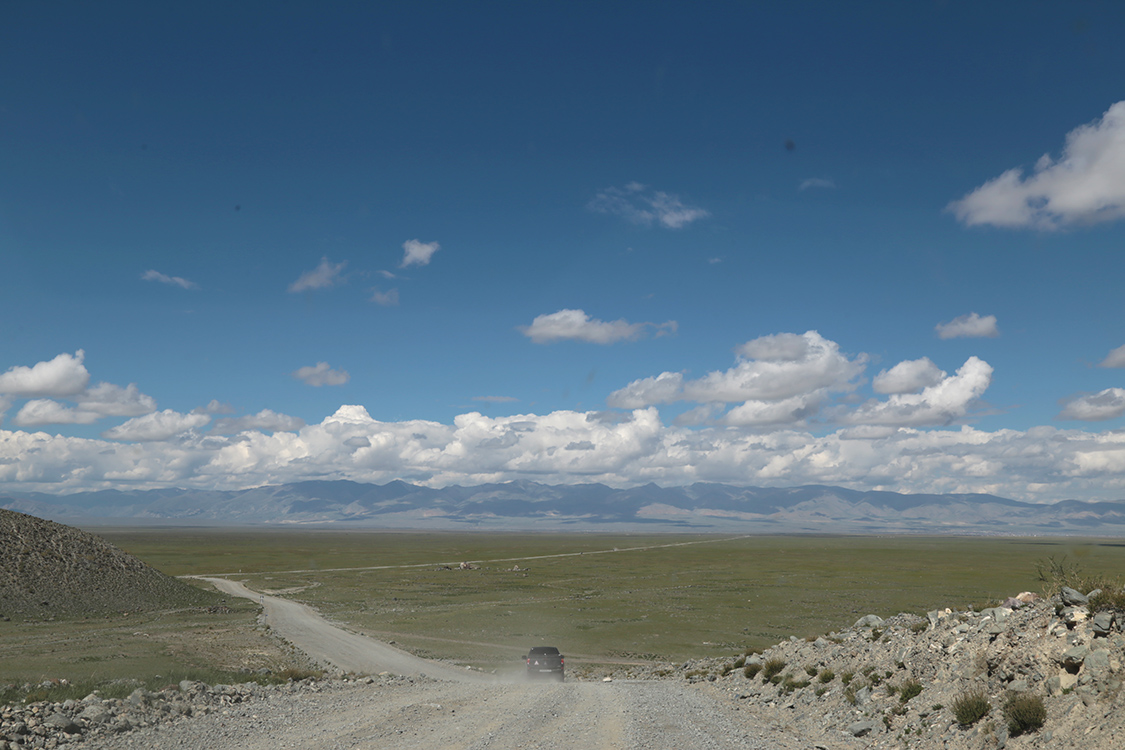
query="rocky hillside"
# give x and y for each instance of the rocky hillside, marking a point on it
(51, 570)
(1032, 673)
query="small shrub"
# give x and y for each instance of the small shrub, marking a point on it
(810, 670)
(820, 691)
(918, 627)
(751, 670)
(826, 676)
(739, 663)
(909, 689)
(971, 707)
(772, 668)
(1109, 599)
(876, 634)
(847, 677)
(1025, 713)
(789, 684)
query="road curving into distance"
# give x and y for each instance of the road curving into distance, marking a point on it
(306, 629)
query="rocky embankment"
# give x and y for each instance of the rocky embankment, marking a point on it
(912, 681)
(51, 570)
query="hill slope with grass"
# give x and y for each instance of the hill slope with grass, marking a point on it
(51, 570)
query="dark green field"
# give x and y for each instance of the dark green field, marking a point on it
(612, 598)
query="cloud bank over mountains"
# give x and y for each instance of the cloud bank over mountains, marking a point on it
(787, 412)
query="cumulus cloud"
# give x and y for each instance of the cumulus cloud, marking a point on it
(263, 420)
(151, 275)
(621, 450)
(1084, 186)
(968, 326)
(1116, 358)
(386, 299)
(108, 400)
(769, 369)
(43, 411)
(640, 205)
(65, 375)
(909, 376)
(417, 253)
(1095, 407)
(322, 374)
(942, 403)
(325, 275)
(158, 426)
(576, 325)
(214, 406)
(816, 182)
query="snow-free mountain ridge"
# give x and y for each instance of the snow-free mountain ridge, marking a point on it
(525, 505)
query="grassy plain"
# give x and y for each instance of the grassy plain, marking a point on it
(611, 598)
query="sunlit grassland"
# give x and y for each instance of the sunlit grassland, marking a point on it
(154, 646)
(604, 598)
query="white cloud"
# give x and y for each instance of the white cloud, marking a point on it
(576, 325)
(943, 403)
(621, 450)
(151, 275)
(108, 400)
(64, 375)
(214, 406)
(158, 426)
(322, 374)
(322, 277)
(816, 182)
(103, 400)
(1115, 358)
(1095, 407)
(770, 369)
(44, 411)
(1086, 185)
(968, 326)
(640, 205)
(417, 253)
(386, 299)
(909, 376)
(263, 420)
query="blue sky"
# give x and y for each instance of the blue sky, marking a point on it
(877, 247)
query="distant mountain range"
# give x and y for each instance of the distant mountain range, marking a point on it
(523, 505)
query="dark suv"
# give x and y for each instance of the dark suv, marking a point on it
(545, 661)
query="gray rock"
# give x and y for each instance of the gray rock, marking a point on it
(1095, 667)
(997, 613)
(869, 621)
(1102, 624)
(1018, 686)
(95, 713)
(63, 723)
(1075, 655)
(1074, 598)
(862, 728)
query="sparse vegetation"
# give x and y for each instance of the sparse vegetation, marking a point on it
(751, 670)
(1025, 713)
(826, 676)
(772, 668)
(971, 707)
(909, 689)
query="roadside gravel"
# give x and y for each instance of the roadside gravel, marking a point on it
(423, 714)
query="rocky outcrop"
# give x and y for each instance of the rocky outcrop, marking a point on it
(897, 683)
(51, 570)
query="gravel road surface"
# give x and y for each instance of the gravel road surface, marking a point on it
(431, 715)
(438, 707)
(306, 629)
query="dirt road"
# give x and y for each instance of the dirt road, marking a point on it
(434, 706)
(307, 630)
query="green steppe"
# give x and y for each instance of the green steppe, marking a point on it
(602, 599)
